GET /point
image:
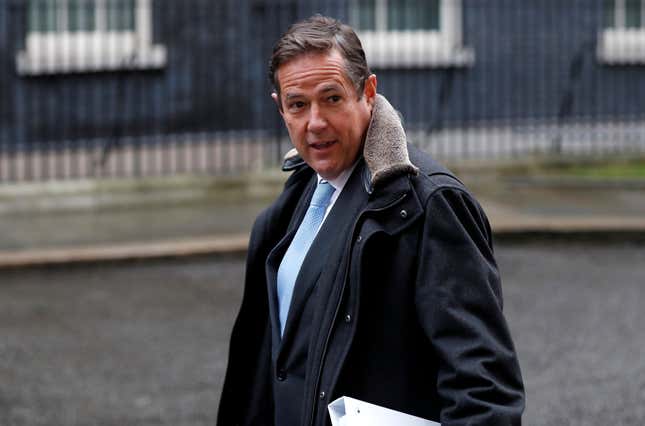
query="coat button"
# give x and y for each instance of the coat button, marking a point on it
(322, 395)
(359, 239)
(348, 318)
(403, 214)
(281, 376)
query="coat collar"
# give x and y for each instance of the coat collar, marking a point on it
(385, 149)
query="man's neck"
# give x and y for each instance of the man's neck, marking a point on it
(339, 181)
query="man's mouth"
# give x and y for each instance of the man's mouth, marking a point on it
(321, 145)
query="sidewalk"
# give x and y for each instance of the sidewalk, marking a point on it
(46, 224)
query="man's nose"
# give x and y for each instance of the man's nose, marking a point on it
(317, 121)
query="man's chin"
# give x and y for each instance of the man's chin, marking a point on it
(327, 172)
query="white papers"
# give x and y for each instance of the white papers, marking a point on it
(347, 411)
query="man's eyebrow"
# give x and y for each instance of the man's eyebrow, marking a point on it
(291, 95)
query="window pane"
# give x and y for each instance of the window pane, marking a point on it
(42, 15)
(633, 13)
(609, 13)
(120, 14)
(396, 15)
(364, 14)
(81, 15)
(413, 15)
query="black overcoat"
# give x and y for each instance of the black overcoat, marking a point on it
(411, 319)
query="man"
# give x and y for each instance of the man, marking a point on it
(395, 297)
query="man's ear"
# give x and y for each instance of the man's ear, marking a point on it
(276, 98)
(369, 91)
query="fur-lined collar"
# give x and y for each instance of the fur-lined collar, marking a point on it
(385, 149)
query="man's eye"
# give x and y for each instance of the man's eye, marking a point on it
(296, 105)
(334, 98)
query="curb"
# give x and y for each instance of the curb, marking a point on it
(127, 252)
(236, 245)
(608, 228)
(576, 183)
(595, 235)
(84, 195)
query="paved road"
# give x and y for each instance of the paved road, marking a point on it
(576, 314)
(113, 226)
(142, 344)
(145, 343)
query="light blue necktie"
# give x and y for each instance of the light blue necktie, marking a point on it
(295, 255)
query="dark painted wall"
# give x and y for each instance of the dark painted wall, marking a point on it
(525, 52)
(215, 77)
(7, 116)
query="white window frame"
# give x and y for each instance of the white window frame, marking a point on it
(93, 51)
(418, 48)
(619, 45)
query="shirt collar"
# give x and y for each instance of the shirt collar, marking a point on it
(339, 181)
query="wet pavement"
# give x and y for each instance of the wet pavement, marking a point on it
(145, 343)
(139, 344)
(575, 313)
(22, 231)
(72, 223)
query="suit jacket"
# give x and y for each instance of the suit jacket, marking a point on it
(411, 318)
(291, 353)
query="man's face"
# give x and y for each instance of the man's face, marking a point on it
(325, 119)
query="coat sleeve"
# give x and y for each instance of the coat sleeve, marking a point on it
(248, 360)
(459, 304)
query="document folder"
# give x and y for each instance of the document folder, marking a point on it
(347, 411)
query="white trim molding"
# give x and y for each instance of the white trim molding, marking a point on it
(421, 48)
(64, 51)
(620, 43)
(622, 46)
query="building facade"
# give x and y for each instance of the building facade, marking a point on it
(81, 71)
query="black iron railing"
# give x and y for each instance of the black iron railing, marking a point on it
(128, 88)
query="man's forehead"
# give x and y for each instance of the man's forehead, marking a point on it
(293, 92)
(312, 67)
